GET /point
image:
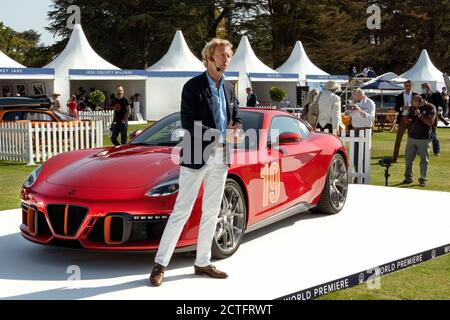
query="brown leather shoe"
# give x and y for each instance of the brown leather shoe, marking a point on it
(157, 276)
(210, 271)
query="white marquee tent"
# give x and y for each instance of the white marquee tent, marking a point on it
(308, 73)
(425, 71)
(16, 78)
(254, 73)
(299, 62)
(167, 77)
(78, 65)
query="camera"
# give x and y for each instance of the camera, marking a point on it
(350, 107)
(411, 112)
(385, 162)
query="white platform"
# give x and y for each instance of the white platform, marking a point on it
(377, 225)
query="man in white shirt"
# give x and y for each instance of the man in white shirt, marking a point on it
(363, 115)
(329, 108)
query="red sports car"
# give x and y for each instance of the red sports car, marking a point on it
(119, 198)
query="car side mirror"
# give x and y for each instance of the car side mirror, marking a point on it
(289, 138)
(135, 133)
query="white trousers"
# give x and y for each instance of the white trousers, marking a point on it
(214, 175)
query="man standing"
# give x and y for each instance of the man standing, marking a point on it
(435, 98)
(122, 111)
(363, 115)
(446, 99)
(329, 108)
(251, 97)
(402, 104)
(423, 116)
(208, 105)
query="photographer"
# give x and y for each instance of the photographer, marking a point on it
(363, 114)
(423, 116)
(435, 98)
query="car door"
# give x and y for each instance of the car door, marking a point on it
(291, 171)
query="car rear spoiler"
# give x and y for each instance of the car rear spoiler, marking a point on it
(31, 102)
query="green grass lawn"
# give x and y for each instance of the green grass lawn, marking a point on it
(430, 280)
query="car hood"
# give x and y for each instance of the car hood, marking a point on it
(118, 168)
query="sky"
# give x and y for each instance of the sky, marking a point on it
(22, 15)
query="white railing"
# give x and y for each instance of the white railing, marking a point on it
(28, 142)
(105, 115)
(364, 154)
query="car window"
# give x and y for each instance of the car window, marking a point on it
(13, 116)
(38, 116)
(162, 132)
(284, 124)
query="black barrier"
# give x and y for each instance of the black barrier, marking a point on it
(367, 275)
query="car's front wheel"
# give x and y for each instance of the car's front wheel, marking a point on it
(232, 221)
(334, 193)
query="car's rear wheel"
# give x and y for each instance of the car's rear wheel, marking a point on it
(232, 221)
(334, 193)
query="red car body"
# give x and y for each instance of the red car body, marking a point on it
(71, 199)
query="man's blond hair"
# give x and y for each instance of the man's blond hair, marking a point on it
(208, 50)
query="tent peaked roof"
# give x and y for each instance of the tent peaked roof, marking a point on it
(423, 70)
(78, 54)
(7, 62)
(298, 62)
(245, 60)
(178, 58)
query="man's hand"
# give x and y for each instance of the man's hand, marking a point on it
(358, 109)
(234, 133)
(405, 108)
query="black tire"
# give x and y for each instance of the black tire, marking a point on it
(232, 217)
(334, 193)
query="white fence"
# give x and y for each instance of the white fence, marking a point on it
(364, 141)
(27, 142)
(106, 116)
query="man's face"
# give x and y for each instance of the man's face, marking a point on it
(357, 97)
(408, 87)
(119, 92)
(248, 90)
(222, 56)
(426, 89)
(417, 103)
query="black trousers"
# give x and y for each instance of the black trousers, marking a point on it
(119, 128)
(328, 126)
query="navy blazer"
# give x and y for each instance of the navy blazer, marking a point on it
(197, 117)
(251, 100)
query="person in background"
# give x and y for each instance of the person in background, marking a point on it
(56, 105)
(371, 73)
(312, 95)
(365, 71)
(122, 111)
(435, 98)
(354, 72)
(423, 116)
(402, 104)
(446, 99)
(72, 107)
(251, 97)
(329, 108)
(363, 115)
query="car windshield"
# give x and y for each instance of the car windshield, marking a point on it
(168, 131)
(63, 117)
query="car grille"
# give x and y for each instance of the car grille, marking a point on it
(66, 219)
(39, 224)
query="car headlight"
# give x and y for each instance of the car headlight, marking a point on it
(165, 188)
(32, 177)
